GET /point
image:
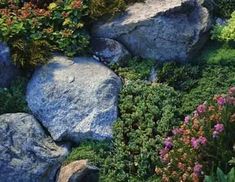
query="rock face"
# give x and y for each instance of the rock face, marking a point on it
(159, 29)
(26, 152)
(8, 71)
(108, 50)
(78, 171)
(74, 99)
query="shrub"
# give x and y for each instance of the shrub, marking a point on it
(180, 77)
(227, 32)
(60, 24)
(13, 100)
(95, 151)
(29, 54)
(134, 69)
(217, 53)
(99, 8)
(41, 3)
(202, 143)
(147, 112)
(215, 79)
(224, 8)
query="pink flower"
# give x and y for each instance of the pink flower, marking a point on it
(219, 127)
(168, 143)
(176, 131)
(163, 153)
(201, 108)
(202, 140)
(195, 143)
(186, 119)
(221, 100)
(197, 169)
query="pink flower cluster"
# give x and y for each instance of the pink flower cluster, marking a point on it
(218, 128)
(168, 144)
(221, 100)
(196, 142)
(186, 119)
(197, 169)
(186, 153)
(201, 109)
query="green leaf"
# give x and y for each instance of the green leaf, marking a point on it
(231, 175)
(221, 176)
(209, 179)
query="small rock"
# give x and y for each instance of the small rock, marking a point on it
(27, 154)
(8, 71)
(78, 171)
(153, 75)
(220, 21)
(108, 50)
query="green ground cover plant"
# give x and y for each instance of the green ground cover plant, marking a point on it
(223, 8)
(12, 100)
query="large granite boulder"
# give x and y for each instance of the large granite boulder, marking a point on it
(27, 154)
(8, 71)
(78, 171)
(74, 99)
(159, 29)
(109, 51)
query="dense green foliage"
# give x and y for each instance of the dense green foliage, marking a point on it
(180, 77)
(134, 69)
(215, 79)
(225, 32)
(60, 24)
(212, 73)
(147, 112)
(12, 99)
(95, 151)
(99, 8)
(217, 53)
(28, 55)
(223, 8)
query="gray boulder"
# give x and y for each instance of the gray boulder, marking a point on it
(27, 154)
(159, 29)
(74, 99)
(108, 50)
(8, 71)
